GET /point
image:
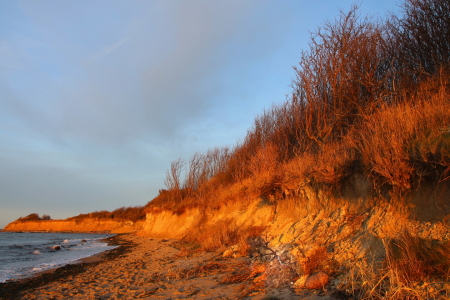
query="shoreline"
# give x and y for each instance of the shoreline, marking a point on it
(111, 241)
(149, 268)
(11, 288)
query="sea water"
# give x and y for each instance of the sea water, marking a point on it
(23, 254)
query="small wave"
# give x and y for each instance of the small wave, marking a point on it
(34, 252)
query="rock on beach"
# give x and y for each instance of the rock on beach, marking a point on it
(316, 281)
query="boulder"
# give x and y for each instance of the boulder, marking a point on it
(316, 281)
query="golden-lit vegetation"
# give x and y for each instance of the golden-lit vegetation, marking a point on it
(370, 97)
(133, 214)
(413, 269)
(121, 214)
(34, 217)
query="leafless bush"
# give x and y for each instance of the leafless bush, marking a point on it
(420, 41)
(265, 161)
(173, 180)
(339, 78)
(202, 167)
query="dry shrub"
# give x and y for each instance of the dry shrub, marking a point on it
(420, 40)
(413, 268)
(173, 176)
(382, 145)
(332, 163)
(417, 268)
(364, 279)
(328, 166)
(265, 161)
(412, 259)
(339, 77)
(397, 142)
(296, 172)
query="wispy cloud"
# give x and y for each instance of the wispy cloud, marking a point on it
(105, 51)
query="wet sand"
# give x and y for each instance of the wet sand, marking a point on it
(145, 268)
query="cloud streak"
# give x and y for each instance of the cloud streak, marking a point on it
(102, 53)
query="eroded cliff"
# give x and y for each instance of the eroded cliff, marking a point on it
(86, 225)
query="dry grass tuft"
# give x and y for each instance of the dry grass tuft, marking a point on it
(412, 259)
(407, 140)
(223, 234)
(413, 269)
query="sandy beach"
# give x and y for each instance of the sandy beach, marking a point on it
(146, 268)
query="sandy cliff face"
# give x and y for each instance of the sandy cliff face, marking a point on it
(87, 225)
(167, 224)
(287, 223)
(349, 226)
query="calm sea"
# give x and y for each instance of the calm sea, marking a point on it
(25, 254)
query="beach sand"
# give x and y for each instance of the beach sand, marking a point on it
(146, 268)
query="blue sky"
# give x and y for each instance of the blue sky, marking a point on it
(98, 97)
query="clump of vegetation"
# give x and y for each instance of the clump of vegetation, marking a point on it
(413, 268)
(134, 214)
(34, 217)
